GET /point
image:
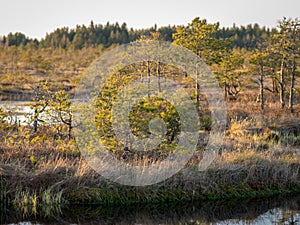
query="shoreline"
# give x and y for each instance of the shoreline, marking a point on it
(61, 187)
(181, 211)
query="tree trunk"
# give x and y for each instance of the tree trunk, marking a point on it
(225, 91)
(282, 83)
(35, 125)
(148, 76)
(291, 97)
(261, 88)
(158, 76)
(70, 131)
(197, 86)
(35, 122)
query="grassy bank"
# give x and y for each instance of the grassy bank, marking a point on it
(237, 181)
(259, 157)
(67, 179)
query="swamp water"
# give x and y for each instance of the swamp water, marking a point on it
(279, 210)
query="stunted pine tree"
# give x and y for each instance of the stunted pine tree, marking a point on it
(260, 61)
(41, 100)
(229, 72)
(200, 37)
(294, 52)
(286, 46)
(60, 110)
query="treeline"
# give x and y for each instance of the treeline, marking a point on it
(109, 34)
(87, 36)
(245, 36)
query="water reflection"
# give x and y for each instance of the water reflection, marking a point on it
(264, 211)
(18, 112)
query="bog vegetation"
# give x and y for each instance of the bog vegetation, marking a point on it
(257, 68)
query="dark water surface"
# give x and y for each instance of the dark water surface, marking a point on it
(279, 210)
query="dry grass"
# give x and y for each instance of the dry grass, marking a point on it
(260, 155)
(233, 174)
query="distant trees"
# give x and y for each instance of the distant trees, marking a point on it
(267, 54)
(86, 36)
(97, 34)
(16, 39)
(247, 37)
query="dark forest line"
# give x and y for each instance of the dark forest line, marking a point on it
(112, 33)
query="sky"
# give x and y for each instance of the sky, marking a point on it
(35, 18)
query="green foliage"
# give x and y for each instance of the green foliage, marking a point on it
(286, 47)
(206, 123)
(3, 115)
(60, 109)
(199, 37)
(230, 70)
(42, 98)
(61, 57)
(16, 39)
(33, 160)
(147, 109)
(98, 34)
(142, 115)
(30, 203)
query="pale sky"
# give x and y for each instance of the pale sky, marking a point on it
(35, 18)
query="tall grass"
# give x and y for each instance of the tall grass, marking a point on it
(259, 156)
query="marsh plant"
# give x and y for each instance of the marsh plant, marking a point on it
(30, 203)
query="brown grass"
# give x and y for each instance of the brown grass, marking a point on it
(259, 156)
